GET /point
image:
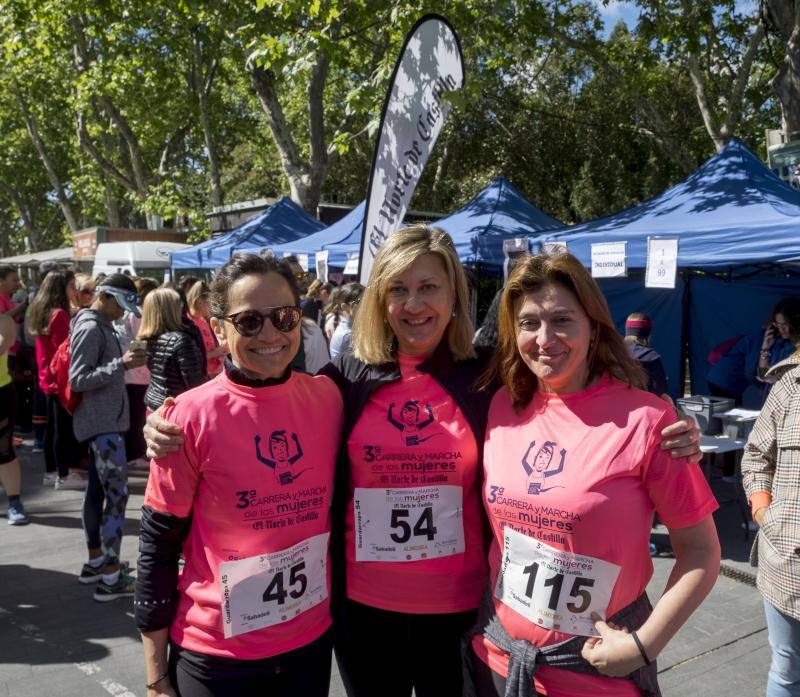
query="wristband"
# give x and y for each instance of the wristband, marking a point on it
(152, 685)
(635, 636)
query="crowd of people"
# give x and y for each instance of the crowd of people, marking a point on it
(446, 512)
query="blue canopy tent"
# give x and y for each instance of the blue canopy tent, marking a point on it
(283, 222)
(497, 213)
(732, 211)
(733, 218)
(345, 231)
(478, 229)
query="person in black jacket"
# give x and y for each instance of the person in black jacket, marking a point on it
(174, 360)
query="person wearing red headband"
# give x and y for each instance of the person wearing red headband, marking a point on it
(638, 328)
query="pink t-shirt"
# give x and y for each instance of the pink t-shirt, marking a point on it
(213, 365)
(46, 347)
(413, 526)
(255, 473)
(582, 473)
(6, 305)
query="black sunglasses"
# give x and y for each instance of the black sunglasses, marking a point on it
(251, 322)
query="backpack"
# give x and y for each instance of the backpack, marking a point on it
(59, 369)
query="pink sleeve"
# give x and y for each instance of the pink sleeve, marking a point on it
(677, 488)
(174, 478)
(58, 327)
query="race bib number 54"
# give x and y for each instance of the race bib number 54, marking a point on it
(262, 591)
(553, 588)
(408, 524)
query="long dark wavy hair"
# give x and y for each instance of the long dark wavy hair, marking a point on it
(607, 354)
(52, 295)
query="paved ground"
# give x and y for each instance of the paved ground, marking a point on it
(57, 641)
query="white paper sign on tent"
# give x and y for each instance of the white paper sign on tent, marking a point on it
(512, 247)
(609, 260)
(554, 248)
(321, 262)
(662, 262)
(351, 267)
(302, 259)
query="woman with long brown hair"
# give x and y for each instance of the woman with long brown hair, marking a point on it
(573, 473)
(48, 320)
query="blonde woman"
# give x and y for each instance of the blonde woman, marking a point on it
(173, 357)
(197, 302)
(84, 291)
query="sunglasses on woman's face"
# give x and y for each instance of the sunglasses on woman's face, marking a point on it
(251, 322)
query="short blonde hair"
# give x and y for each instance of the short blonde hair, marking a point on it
(373, 340)
(84, 280)
(199, 291)
(161, 313)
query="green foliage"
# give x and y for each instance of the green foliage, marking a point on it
(583, 124)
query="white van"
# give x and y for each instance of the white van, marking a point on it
(136, 258)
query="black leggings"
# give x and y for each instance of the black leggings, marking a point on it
(60, 447)
(387, 654)
(304, 672)
(134, 438)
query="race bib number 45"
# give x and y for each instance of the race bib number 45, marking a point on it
(262, 591)
(553, 588)
(408, 524)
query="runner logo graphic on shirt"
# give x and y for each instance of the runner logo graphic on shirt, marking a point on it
(409, 424)
(542, 467)
(280, 459)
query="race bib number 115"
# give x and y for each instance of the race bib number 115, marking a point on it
(262, 591)
(553, 588)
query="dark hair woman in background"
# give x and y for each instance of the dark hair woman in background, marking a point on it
(48, 320)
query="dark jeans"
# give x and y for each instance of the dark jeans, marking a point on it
(387, 654)
(304, 672)
(134, 438)
(60, 447)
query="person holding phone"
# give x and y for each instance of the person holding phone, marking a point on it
(780, 338)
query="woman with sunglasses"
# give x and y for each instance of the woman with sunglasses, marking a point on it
(173, 358)
(246, 501)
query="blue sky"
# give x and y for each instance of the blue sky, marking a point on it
(615, 10)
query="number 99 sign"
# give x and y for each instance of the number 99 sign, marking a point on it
(553, 588)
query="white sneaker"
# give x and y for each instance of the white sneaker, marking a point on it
(50, 478)
(73, 481)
